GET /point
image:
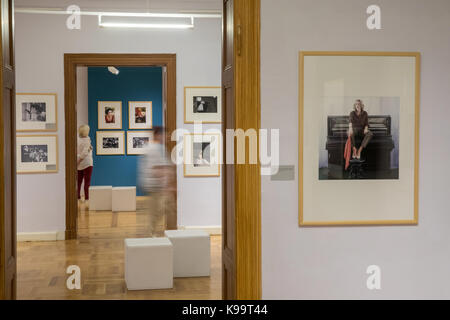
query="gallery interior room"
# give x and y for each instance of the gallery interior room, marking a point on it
(125, 124)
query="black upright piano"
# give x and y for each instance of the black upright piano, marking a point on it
(377, 155)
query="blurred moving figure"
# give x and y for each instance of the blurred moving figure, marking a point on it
(157, 178)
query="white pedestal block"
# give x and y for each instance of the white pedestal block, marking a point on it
(100, 198)
(192, 253)
(124, 199)
(148, 264)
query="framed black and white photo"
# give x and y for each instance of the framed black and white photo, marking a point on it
(109, 115)
(140, 115)
(37, 154)
(201, 155)
(203, 104)
(36, 112)
(110, 143)
(138, 141)
(358, 138)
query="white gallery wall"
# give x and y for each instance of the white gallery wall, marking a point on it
(331, 262)
(42, 40)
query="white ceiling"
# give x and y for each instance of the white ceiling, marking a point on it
(128, 5)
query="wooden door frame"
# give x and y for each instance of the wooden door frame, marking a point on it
(247, 279)
(71, 62)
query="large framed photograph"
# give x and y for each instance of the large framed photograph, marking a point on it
(37, 154)
(138, 141)
(203, 104)
(201, 155)
(140, 115)
(110, 143)
(36, 112)
(358, 138)
(109, 115)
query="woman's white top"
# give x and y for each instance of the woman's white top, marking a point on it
(84, 153)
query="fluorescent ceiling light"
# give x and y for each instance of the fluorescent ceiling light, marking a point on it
(122, 21)
(113, 70)
(193, 14)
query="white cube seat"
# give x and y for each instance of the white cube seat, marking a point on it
(148, 264)
(192, 253)
(100, 198)
(124, 199)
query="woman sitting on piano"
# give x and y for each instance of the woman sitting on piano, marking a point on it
(359, 129)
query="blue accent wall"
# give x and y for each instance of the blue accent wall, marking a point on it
(132, 84)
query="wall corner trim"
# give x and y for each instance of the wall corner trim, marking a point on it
(41, 236)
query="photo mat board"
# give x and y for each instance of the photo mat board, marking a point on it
(110, 143)
(202, 155)
(203, 104)
(37, 154)
(138, 141)
(330, 84)
(109, 115)
(140, 115)
(36, 112)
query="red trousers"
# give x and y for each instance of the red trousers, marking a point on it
(86, 176)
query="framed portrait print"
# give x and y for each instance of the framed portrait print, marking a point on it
(109, 115)
(36, 112)
(358, 138)
(37, 154)
(110, 143)
(203, 104)
(138, 141)
(140, 115)
(201, 155)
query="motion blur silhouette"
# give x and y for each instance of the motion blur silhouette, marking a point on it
(157, 177)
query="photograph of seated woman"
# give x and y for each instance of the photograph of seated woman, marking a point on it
(359, 129)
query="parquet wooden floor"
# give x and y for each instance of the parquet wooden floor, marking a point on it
(99, 252)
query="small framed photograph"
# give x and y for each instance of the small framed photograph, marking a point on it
(138, 141)
(202, 155)
(109, 115)
(36, 112)
(37, 154)
(203, 104)
(110, 143)
(140, 114)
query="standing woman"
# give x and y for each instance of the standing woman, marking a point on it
(85, 163)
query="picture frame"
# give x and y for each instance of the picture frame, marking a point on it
(109, 115)
(202, 155)
(203, 104)
(137, 142)
(36, 154)
(383, 90)
(37, 112)
(140, 115)
(110, 143)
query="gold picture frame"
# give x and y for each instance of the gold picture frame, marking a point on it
(137, 134)
(20, 123)
(54, 165)
(202, 91)
(101, 105)
(121, 141)
(148, 125)
(189, 170)
(414, 220)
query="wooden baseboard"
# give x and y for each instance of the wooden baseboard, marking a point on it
(41, 236)
(212, 230)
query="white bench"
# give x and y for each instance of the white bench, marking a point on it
(148, 264)
(100, 198)
(124, 199)
(192, 253)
